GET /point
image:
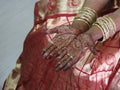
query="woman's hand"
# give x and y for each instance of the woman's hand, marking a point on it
(68, 47)
(74, 51)
(65, 35)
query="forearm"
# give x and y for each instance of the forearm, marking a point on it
(96, 32)
(116, 17)
(96, 5)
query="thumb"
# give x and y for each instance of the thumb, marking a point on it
(93, 49)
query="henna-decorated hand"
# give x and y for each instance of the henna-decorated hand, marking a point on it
(65, 35)
(74, 51)
(68, 46)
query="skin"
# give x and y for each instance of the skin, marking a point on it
(96, 33)
(70, 54)
(87, 39)
(80, 26)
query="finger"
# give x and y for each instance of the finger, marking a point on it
(46, 48)
(61, 54)
(54, 53)
(57, 52)
(91, 46)
(62, 63)
(61, 60)
(93, 50)
(74, 60)
(46, 54)
(60, 51)
(69, 64)
(50, 52)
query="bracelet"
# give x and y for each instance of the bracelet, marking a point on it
(107, 26)
(87, 15)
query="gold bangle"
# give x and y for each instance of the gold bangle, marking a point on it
(87, 15)
(103, 33)
(107, 26)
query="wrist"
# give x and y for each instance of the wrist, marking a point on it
(116, 18)
(84, 19)
(95, 33)
(79, 26)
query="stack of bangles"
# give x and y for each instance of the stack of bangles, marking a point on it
(86, 15)
(107, 26)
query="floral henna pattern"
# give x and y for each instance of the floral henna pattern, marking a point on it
(74, 51)
(74, 3)
(65, 35)
(52, 4)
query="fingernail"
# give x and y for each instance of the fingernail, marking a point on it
(65, 68)
(58, 58)
(55, 55)
(59, 67)
(48, 57)
(42, 53)
(45, 55)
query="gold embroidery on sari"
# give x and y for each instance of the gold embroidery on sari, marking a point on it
(13, 78)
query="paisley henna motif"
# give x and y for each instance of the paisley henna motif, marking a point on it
(74, 3)
(52, 4)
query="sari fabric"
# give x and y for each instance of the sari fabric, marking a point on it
(33, 72)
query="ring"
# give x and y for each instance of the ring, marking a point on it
(51, 55)
(71, 57)
(64, 47)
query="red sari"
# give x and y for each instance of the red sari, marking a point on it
(33, 72)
